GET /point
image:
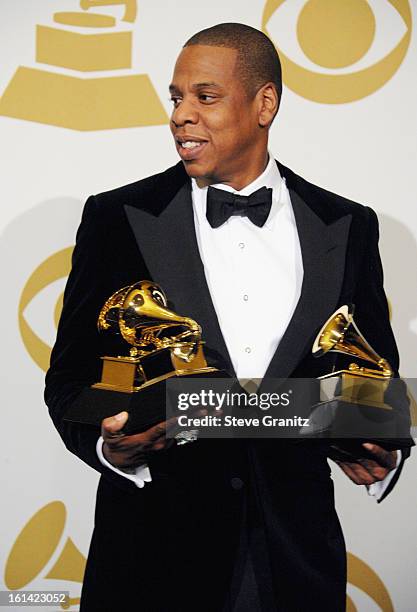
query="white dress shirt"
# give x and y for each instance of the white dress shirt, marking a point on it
(253, 273)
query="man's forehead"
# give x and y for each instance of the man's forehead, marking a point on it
(205, 64)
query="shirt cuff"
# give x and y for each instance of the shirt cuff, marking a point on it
(138, 475)
(377, 489)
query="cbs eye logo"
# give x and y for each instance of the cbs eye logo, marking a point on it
(44, 279)
(342, 45)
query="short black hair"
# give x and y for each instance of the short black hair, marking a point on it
(257, 62)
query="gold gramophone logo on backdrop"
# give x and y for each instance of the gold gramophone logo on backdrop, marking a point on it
(40, 545)
(85, 43)
(335, 36)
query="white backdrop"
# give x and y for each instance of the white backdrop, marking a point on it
(364, 149)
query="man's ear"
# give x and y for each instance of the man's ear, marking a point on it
(268, 104)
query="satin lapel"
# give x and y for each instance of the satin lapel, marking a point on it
(323, 249)
(169, 247)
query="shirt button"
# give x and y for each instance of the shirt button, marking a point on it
(241, 245)
(246, 297)
(248, 349)
(237, 483)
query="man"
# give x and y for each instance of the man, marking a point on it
(221, 525)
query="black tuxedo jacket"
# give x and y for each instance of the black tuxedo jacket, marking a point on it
(174, 545)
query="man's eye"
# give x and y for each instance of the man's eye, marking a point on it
(206, 98)
(175, 100)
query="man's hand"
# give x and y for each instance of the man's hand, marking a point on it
(368, 471)
(124, 451)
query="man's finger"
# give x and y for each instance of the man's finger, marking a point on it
(364, 475)
(361, 474)
(383, 457)
(111, 426)
(162, 429)
(364, 471)
(151, 435)
(375, 469)
(159, 430)
(345, 467)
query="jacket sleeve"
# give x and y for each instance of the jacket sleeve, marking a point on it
(371, 307)
(373, 320)
(75, 358)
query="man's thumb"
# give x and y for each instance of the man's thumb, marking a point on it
(115, 423)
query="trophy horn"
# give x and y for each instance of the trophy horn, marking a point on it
(148, 301)
(145, 313)
(341, 335)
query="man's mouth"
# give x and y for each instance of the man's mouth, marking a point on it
(190, 144)
(189, 148)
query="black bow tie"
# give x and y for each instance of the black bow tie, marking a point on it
(221, 205)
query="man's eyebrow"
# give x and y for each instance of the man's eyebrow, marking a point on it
(207, 84)
(195, 86)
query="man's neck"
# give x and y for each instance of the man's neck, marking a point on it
(236, 182)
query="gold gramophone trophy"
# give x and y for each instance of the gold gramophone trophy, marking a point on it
(140, 313)
(340, 334)
(353, 407)
(162, 343)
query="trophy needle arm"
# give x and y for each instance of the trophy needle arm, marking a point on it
(114, 301)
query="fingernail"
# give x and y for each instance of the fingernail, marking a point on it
(120, 416)
(368, 446)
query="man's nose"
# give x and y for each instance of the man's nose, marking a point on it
(184, 113)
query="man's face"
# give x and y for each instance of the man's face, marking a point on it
(214, 122)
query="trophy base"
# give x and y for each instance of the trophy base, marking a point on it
(132, 374)
(352, 450)
(355, 388)
(129, 389)
(146, 408)
(348, 425)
